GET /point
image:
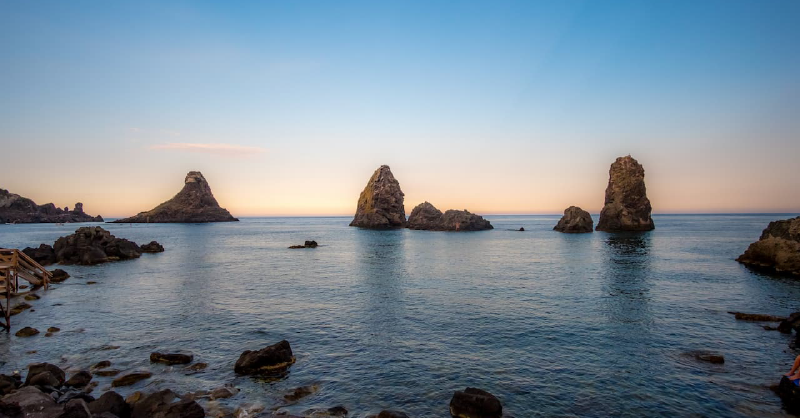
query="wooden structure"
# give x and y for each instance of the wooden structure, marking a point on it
(15, 265)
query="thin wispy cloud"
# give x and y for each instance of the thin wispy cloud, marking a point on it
(230, 150)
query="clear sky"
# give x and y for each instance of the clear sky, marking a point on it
(287, 107)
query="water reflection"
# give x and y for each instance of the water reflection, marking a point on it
(380, 266)
(628, 274)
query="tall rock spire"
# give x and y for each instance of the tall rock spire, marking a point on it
(627, 207)
(380, 205)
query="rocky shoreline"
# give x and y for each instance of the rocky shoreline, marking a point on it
(17, 209)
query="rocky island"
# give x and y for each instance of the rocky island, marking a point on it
(425, 216)
(627, 207)
(575, 220)
(88, 246)
(193, 204)
(17, 209)
(380, 205)
(778, 248)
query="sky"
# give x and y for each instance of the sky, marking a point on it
(287, 107)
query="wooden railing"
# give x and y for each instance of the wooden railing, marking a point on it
(15, 265)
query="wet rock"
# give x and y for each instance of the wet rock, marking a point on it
(171, 358)
(101, 365)
(627, 207)
(44, 255)
(301, 392)
(111, 402)
(223, 393)
(337, 411)
(274, 359)
(521, 229)
(130, 378)
(756, 317)
(44, 379)
(74, 394)
(37, 368)
(195, 203)
(79, 380)
(152, 247)
(160, 405)
(19, 308)
(33, 402)
(76, 408)
(425, 216)
(790, 395)
(380, 205)
(106, 373)
(32, 296)
(708, 357)
(392, 414)
(134, 398)
(27, 332)
(9, 383)
(475, 403)
(94, 245)
(53, 329)
(308, 244)
(197, 367)
(575, 220)
(791, 323)
(778, 248)
(59, 276)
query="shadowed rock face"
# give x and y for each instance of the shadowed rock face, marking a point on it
(17, 209)
(777, 249)
(194, 203)
(627, 207)
(426, 217)
(575, 220)
(380, 205)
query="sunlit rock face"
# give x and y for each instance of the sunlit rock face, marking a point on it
(380, 205)
(194, 203)
(627, 207)
(575, 220)
(778, 248)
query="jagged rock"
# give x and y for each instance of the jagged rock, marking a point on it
(44, 255)
(79, 380)
(171, 358)
(308, 244)
(627, 207)
(17, 209)
(425, 216)
(111, 402)
(27, 332)
(33, 402)
(575, 220)
(778, 249)
(380, 205)
(130, 378)
(194, 204)
(475, 403)
(152, 247)
(93, 245)
(273, 359)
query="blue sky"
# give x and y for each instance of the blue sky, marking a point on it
(500, 107)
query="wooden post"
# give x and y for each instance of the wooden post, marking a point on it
(7, 310)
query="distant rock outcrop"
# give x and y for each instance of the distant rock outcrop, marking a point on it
(778, 248)
(17, 209)
(425, 216)
(575, 220)
(193, 204)
(380, 205)
(627, 207)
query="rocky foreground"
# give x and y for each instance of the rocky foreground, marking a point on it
(426, 217)
(778, 249)
(17, 209)
(89, 246)
(380, 205)
(627, 207)
(193, 204)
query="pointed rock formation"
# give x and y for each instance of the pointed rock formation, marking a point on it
(380, 205)
(426, 217)
(627, 207)
(575, 220)
(777, 249)
(193, 204)
(17, 209)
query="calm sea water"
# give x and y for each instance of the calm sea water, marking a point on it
(553, 324)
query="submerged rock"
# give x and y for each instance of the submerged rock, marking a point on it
(627, 207)
(27, 332)
(756, 317)
(17, 209)
(707, 356)
(475, 403)
(575, 220)
(160, 405)
(307, 244)
(130, 378)
(273, 359)
(380, 204)
(425, 216)
(194, 203)
(778, 249)
(171, 358)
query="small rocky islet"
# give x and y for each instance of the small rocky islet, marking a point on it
(88, 246)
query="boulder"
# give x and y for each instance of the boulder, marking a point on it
(44, 379)
(9, 384)
(79, 380)
(778, 248)
(111, 402)
(130, 378)
(152, 247)
(475, 403)
(791, 323)
(171, 358)
(425, 216)
(790, 395)
(627, 207)
(76, 408)
(17, 209)
(575, 220)
(71, 394)
(59, 276)
(33, 403)
(27, 332)
(271, 360)
(44, 255)
(380, 205)
(195, 203)
(160, 405)
(37, 368)
(10, 409)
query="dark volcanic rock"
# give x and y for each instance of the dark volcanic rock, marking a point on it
(130, 378)
(194, 204)
(94, 245)
(778, 248)
(475, 403)
(380, 205)
(575, 220)
(152, 247)
(76, 408)
(627, 207)
(33, 402)
(160, 405)
(37, 368)
(9, 384)
(59, 276)
(44, 255)
(425, 216)
(308, 244)
(791, 323)
(79, 379)
(274, 359)
(111, 402)
(171, 358)
(17, 209)
(790, 395)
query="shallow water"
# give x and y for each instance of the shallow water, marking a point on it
(553, 324)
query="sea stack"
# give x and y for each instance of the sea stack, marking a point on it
(17, 209)
(425, 216)
(778, 248)
(575, 220)
(380, 205)
(194, 203)
(627, 207)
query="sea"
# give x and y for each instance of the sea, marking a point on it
(554, 325)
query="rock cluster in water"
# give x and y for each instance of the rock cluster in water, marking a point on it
(17, 209)
(575, 220)
(380, 205)
(194, 204)
(778, 248)
(475, 403)
(425, 216)
(271, 360)
(307, 244)
(627, 207)
(88, 246)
